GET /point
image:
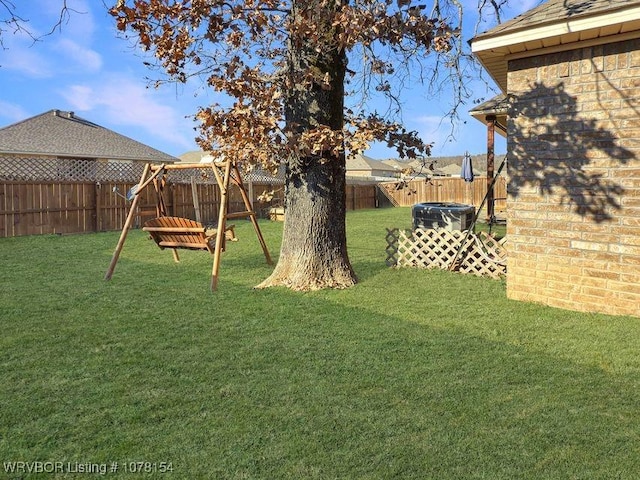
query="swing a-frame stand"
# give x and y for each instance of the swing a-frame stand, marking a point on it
(175, 232)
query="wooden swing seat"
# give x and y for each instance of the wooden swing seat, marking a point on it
(180, 233)
(177, 232)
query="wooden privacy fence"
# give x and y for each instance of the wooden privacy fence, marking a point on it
(480, 254)
(66, 207)
(46, 195)
(448, 189)
(60, 196)
(36, 208)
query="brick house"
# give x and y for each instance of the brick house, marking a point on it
(569, 71)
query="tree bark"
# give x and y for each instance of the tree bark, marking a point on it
(313, 254)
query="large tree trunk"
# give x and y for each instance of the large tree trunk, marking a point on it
(314, 244)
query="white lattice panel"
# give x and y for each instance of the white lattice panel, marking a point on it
(480, 255)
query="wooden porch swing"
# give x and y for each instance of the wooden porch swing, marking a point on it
(183, 233)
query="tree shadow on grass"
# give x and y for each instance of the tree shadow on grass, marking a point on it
(372, 395)
(322, 385)
(555, 150)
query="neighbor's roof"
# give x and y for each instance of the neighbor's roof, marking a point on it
(559, 25)
(397, 165)
(192, 156)
(63, 134)
(362, 162)
(257, 174)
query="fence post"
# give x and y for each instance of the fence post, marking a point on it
(353, 197)
(97, 209)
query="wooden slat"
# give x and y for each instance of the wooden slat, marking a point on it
(176, 229)
(177, 232)
(454, 190)
(186, 166)
(239, 214)
(182, 244)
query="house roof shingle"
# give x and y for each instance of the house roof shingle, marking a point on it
(497, 107)
(364, 163)
(64, 134)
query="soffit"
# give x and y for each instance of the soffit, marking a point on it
(534, 32)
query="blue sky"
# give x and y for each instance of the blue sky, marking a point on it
(87, 69)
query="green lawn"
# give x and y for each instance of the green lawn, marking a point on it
(410, 374)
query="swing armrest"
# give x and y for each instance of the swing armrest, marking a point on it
(230, 233)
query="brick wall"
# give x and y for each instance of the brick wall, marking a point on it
(574, 179)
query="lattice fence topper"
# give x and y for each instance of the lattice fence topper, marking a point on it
(42, 169)
(482, 254)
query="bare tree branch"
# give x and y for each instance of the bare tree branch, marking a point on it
(12, 22)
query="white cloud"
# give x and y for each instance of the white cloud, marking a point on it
(35, 60)
(26, 61)
(81, 97)
(38, 50)
(20, 53)
(12, 112)
(81, 24)
(433, 129)
(77, 22)
(36, 63)
(86, 59)
(123, 101)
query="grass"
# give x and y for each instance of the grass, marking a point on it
(410, 374)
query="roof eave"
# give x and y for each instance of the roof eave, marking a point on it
(494, 50)
(500, 123)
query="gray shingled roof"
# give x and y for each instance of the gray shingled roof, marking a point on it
(362, 162)
(192, 156)
(63, 134)
(450, 164)
(554, 10)
(497, 105)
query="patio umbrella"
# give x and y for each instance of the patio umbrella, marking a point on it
(467, 168)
